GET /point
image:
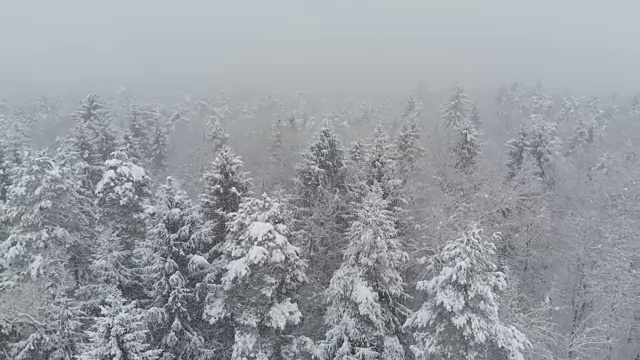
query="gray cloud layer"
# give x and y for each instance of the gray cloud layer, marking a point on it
(350, 46)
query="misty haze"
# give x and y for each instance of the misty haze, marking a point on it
(364, 180)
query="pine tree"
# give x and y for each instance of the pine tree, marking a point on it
(225, 187)
(119, 333)
(455, 111)
(263, 270)
(366, 295)
(122, 197)
(323, 168)
(50, 219)
(459, 319)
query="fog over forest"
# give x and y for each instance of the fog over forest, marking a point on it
(364, 180)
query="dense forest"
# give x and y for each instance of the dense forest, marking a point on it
(288, 226)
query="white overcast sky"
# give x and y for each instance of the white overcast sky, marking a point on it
(349, 46)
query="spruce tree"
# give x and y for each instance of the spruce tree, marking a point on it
(262, 272)
(323, 168)
(540, 103)
(474, 116)
(517, 150)
(583, 136)
(140, 128)
(137, 138)
(171, 291)
(366, 294)
(89, 143)
(158, 146)
(543, 144)
(119, 333)
(408, 149)
(455, 110)
(13, 151)
(466, 148)
(122, 198)
(50, 221)
(215, 134)
(634, 109)
(93, 112)
(570, 111)
(357, 152)
(225, 187)
(57, 334)
(382, 167)
(459, 319)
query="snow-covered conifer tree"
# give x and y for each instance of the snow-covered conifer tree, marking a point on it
(407, 146)
(214, 133)
(569, 111)
(366, 294)
(119, 333)
(382, 167)
(464, 144)
(89, 143)
(225, 186)
(122, 197)
(57, 331)
(277, 134)
(455, 110)
(474, 116)
(583, 135)
(634, 109)
(93, 112)
(138, 133)
(13, 150)
(51, 221)
(543, 145)
(263, 270)
(171, 291)
(517, 150)
(459, 319)
(158, 146)
(323, 167)
(466, 147)
(540, 103)
(357, 152)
